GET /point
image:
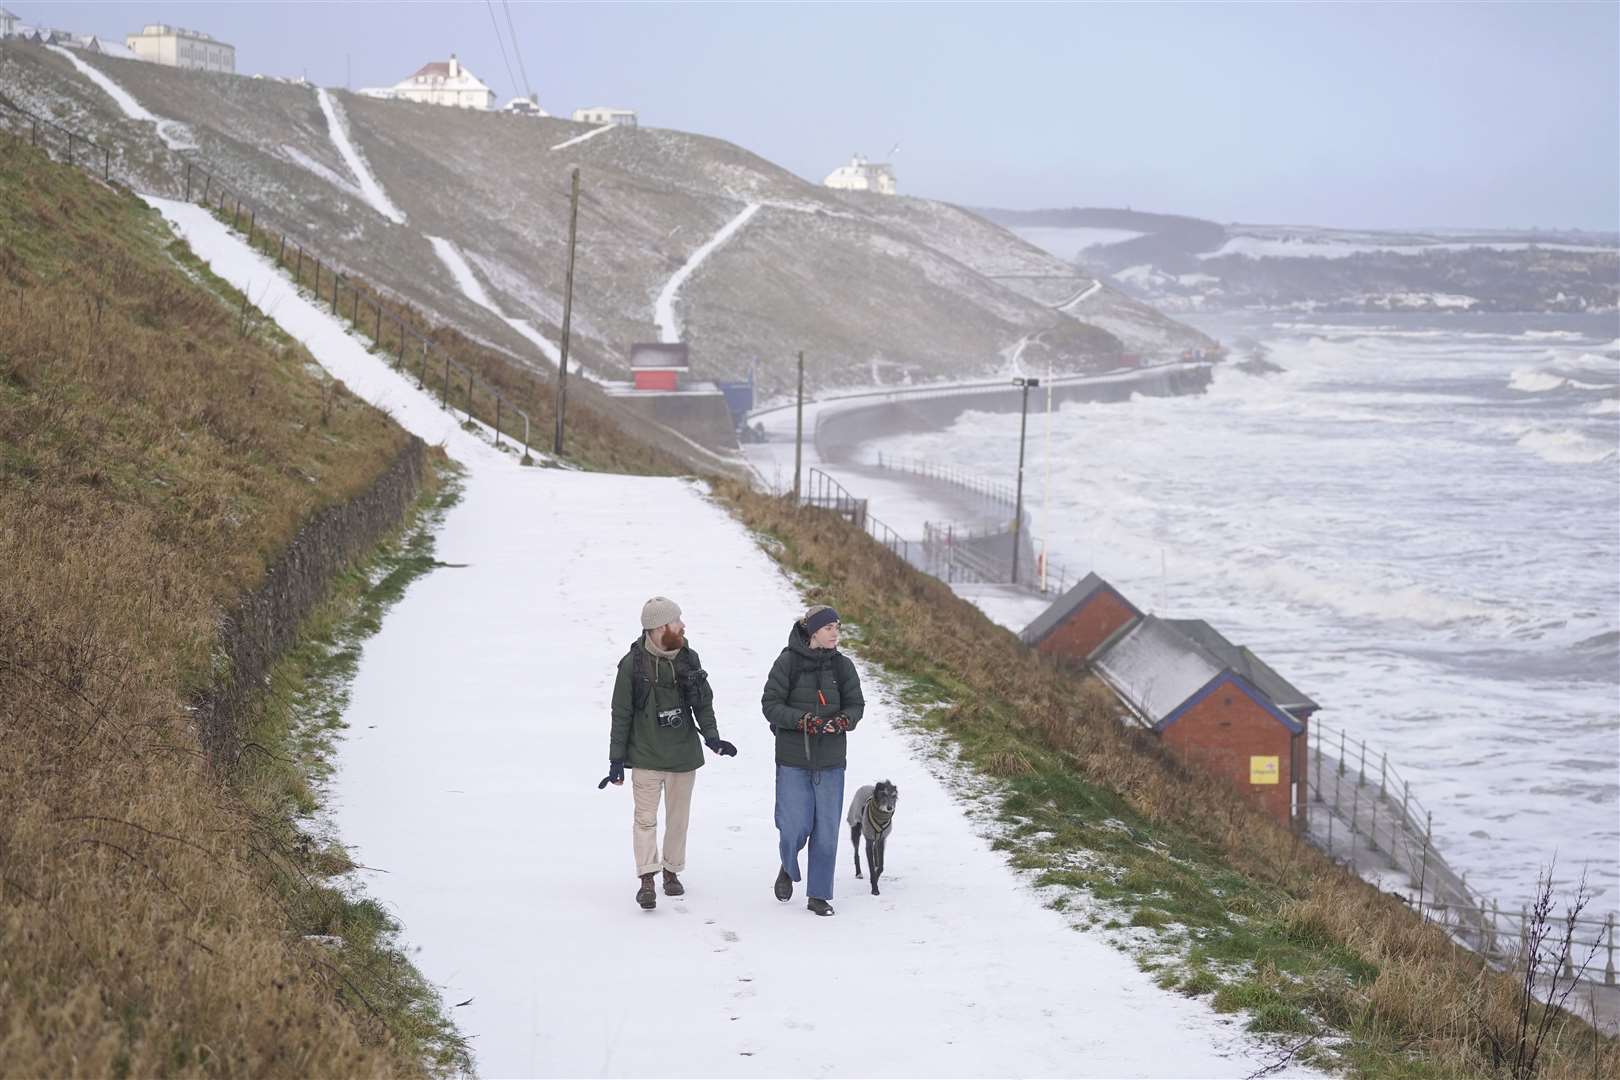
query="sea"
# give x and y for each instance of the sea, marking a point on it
(1416, 521)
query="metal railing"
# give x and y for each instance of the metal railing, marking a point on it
(972, 483)
(823, 492)
(460, 388)
(1365, 791)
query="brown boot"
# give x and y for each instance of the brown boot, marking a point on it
(646, 896)
(672, 884)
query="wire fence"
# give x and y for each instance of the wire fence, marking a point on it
(459, 388)
(1362, 789)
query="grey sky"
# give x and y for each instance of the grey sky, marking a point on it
(1377, 115)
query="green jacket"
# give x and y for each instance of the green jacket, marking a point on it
(639, 739)
(791, 691)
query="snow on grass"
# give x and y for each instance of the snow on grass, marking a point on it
(664, 307)
(577, 139)
(175, 135)
(1068, 306)
(304, 161)
(477, 729)
(473, 289)
(369, 187)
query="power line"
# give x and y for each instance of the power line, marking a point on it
(511, 79)
(517, 52)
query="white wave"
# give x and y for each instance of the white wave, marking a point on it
(1566, 447)
(1559, 335)
(1606, 407)
(1535, 381)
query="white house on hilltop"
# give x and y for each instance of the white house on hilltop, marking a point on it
(178, 47)
(603, 114)
(862, 175)
(8, 23)
(440, 83)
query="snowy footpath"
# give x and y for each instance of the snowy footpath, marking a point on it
(478, 731)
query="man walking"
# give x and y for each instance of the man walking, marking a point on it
(661, 701)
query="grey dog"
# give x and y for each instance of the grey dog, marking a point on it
(871, 816)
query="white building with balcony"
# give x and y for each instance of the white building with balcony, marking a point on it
(862, 175)
(442, 82)
(178, 47)
(603, 114)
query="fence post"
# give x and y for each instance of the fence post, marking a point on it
(298, 274)
(1318, 770)
(337, 279)
(317, 279)
(236, 213)
(1406, 795)
(1341, 753)
(208, 182)
(1490, 938)
(1361, 776)
(33, 139)
(1383, 772)
(354, 309)
(469, 396)
(1524, 933)
(281, 252)
(379, 326)
(253, 220)
(70, 148)
(1608, 972)
(445, 400)
(1372, 834)
(188, 181)
(106, 164)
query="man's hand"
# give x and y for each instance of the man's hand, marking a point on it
(615, 775)
(721, 747)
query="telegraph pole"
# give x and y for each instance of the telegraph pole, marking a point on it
(568, 312)
(798, 434)
(1018, 513)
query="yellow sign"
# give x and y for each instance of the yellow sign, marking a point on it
(1263, 770)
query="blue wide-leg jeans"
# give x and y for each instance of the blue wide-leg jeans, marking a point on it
(809, 806)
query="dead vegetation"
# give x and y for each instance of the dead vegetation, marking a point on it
(154, 456)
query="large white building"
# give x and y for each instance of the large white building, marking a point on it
(862, 175)
(442, 82)
(8, 23)
(603, 114)
(182, 48)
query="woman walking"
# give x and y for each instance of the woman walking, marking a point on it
(812, 699)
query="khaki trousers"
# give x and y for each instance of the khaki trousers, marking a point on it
(645, 784)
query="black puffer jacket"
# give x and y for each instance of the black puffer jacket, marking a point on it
(822, 682)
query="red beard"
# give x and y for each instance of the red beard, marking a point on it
(671, 640)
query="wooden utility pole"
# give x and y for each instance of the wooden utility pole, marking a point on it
(568, 312)
(798, 434)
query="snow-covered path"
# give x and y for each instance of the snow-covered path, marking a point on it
(477, 733)
(577, 139)
(369, 187)
(175, 135)
(664, 307)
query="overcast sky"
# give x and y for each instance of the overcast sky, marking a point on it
(1370, 115)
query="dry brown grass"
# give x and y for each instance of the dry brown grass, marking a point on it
(152, 459)
(1428, 1007)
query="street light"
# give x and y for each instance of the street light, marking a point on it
(1018, 513)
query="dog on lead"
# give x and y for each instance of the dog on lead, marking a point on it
(871, 818)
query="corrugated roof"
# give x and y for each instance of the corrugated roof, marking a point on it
(1241, 660)
(1156, 668)
(1065, 605)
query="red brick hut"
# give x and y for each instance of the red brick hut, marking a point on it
(1214, 703)
(658, 365)
(1080, 620)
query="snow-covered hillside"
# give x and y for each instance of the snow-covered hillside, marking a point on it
(916, 290)
(477, 729)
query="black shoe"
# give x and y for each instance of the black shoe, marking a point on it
(646, 896)
(820, 906)
(672, 884)
(784, 885)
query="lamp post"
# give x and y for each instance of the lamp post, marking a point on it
(1018, 511)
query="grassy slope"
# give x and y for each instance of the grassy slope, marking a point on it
(1229, 903)
(153, 460)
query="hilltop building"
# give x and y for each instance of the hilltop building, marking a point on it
(176, 46)
(441, 82)
(525, 106)
(8, 23)
(862, 175)
(603, 114)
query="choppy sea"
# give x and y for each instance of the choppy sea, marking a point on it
(1416, 521)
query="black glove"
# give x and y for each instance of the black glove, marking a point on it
(721, 747)
(615, 774)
